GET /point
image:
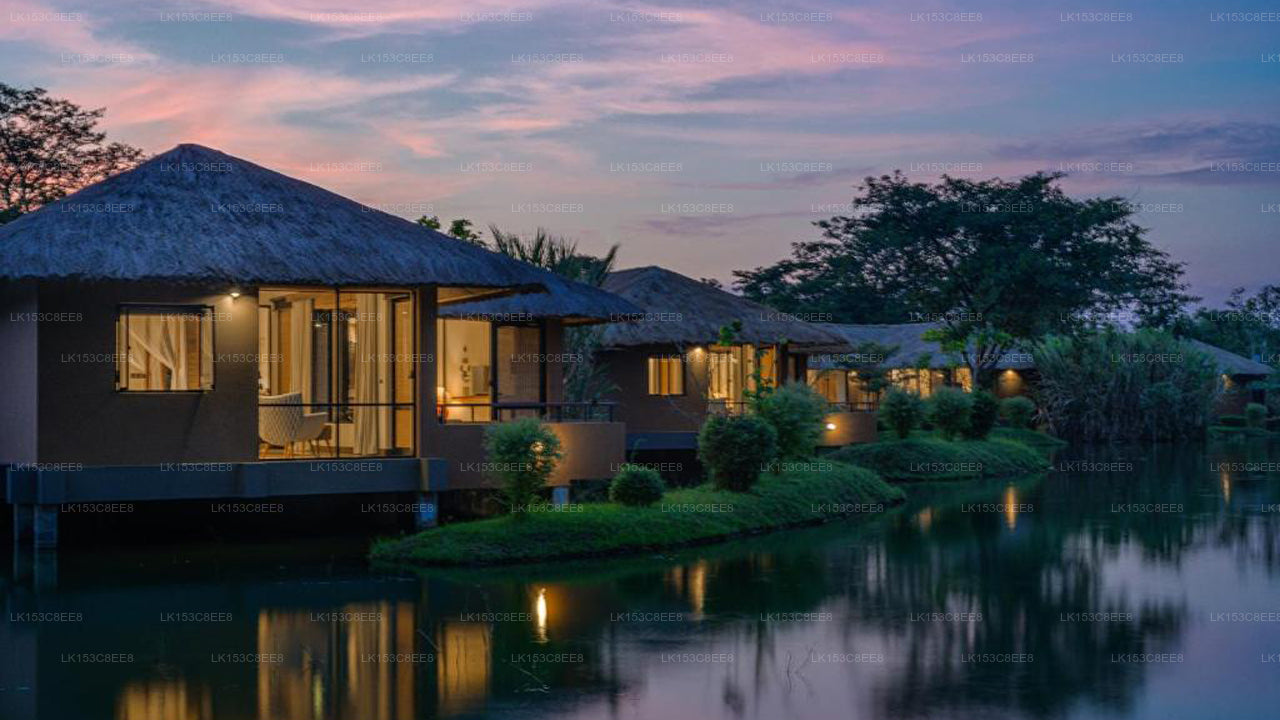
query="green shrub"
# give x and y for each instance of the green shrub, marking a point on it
(1231, 420)
(795, 411)
(982, 415)
(949, 411)
(735, 449)
(1255, 415)
(523, 454)
(1017, 411)
(636, 486)
(901, 411)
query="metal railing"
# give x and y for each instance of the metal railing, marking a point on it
(548, 411)
(854, 406)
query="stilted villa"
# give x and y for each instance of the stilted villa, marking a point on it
(674, 365)
(201, 327)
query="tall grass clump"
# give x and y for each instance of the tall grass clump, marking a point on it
(1114, 386)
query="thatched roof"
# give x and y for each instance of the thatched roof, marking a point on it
(907, 348)
(196, 214)
(912, 350)
(1228, 362)
(572, 302)
(679, 310)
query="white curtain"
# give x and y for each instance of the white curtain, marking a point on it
(162, 339)
(372, 360)
(300, 350)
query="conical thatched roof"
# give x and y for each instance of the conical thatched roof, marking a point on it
(1228, 362)
(566, 300)
(196, 214)
(907, 346)
(682, 311)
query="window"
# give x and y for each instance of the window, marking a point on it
(164, 349)
(483, 365)
(666, 375)
(336, 373)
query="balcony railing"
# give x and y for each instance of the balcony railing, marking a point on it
(854, 406)
(740, 407)
(549, 411)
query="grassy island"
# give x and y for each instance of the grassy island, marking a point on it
(816, 492)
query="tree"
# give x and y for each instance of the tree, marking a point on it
(1248, 326)
(996, 263)
(50, 148)
(585, 380)
(459, 228)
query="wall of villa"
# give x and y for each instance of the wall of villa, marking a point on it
(18, 337)
(82, 418)
(642, 412)
(592, 450)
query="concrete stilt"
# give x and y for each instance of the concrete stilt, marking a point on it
(560, 496)
(46, 527)
(45, 569)
(427, 514)
(24, 525)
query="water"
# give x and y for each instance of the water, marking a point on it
(1065, 597)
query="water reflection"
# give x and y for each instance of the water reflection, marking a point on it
(899, 619)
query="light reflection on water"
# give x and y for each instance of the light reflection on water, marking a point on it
(888, 620)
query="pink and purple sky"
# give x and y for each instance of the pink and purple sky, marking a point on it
(704, 137)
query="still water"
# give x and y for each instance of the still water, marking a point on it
(1145, 585)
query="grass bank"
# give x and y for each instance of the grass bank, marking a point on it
(928, 458)
(691, 516)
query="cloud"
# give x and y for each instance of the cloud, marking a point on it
(1189, 152)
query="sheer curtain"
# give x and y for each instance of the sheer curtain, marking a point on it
(162, 339)
(301, 312)
(372, 374)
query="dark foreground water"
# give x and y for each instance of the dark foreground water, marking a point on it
(1145, 593)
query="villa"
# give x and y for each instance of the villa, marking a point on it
(673, 367)
(200, 327)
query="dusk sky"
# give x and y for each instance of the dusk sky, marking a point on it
(704, 137)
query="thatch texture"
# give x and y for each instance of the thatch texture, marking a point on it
(196, 214)
(574, 303)
(679, 310)
(1228, 362)
(908, 347)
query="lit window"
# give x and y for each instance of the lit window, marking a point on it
(666, 375)
(164, 349)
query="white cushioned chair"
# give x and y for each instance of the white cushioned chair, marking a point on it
(282, 422)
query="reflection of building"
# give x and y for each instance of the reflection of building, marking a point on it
(164, 700)
(690, 582)
(463, 668)
(360, 664)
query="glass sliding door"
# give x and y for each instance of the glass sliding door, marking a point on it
(337, 373)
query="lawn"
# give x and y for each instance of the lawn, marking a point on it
(825, 491)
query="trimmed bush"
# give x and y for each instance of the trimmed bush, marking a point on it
(795, 411)
(636, 486)
(983, 412)
(735, 449)
(525, 453)
(901, 411)
(1255, 415)
(1017, 411)
(949, 411)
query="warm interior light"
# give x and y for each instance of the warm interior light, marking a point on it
(831, 426)
(234, 294)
